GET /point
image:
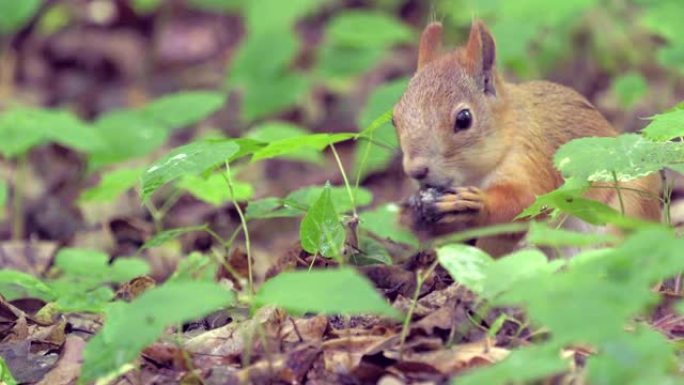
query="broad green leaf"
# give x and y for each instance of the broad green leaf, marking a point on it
(293, 145)
(191, 159)
(112, 185)
(83, 284)
(590, 211)
(126, 134)
(183, 108)
(214, 189)
(130, 327)
(168, 235)
(370, 157)
(523, 365)
(629, 88)
(14, 14)
(667, 126)
(466, 264)
(384, 222)
(17, 284)
(321, 230)
(22, 128)
(542, 235)
(6, 377)
(248, 68)
(628, 156)
(504, 273)
(274, 131)
(195, 267)
(338, 65)
(332, 291)
(368, 29)
(371, 252)
(269, 15)
(643, 357)
(298, 202)
(146, 6)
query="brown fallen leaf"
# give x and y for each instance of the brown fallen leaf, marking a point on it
(68, 367)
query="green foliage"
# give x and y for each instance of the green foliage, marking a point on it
(274, 131)
(17, 284)
(14, 14)
(85, 274)
(321, 230)
(541, 234)
(195, 267)
(183, 108)
(625, 157)
(294, 145)
(331, 291)
(375, 153)
(630, 88)
(6, 377)
(356, 41)
(112, 185)
(298, 202)
(667, 126)
(214, 190)
(466, 264)
(190, 159)
(168, 235)
(23, 128)
(383, 222)
(130, 327)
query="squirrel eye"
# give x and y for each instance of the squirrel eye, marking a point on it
(464, 119)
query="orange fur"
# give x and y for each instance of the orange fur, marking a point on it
(507, 153)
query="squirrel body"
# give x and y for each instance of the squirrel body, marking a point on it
(489, 144)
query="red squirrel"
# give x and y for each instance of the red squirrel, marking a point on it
(486, 146)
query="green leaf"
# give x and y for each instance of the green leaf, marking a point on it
(368, 29)
(384, 222)
(371, 252)
(168, 235)
(214, 189)
(522, 366)
(130, 327)
(217, 5)
(14, 14)
(274, 131)
(191, 159)
(321, 230)
(112, 185)
(85, 276)
(126, 134)
(332, 291)
(368, 156)
(6, 377)
(502, 275)
(590, 211)
(667, 126)
(183, 109)
(541, 234)
(466, 264)
(629, 88)
(337, 65)
(292, 145)
(628, 156)
(195, 267)
(298, 202)
(17, 284)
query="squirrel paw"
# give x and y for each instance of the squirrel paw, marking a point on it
(459, 204)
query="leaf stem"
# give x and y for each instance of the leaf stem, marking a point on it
(420, 280)
(619, 192)
(243, 222)
(346, 180)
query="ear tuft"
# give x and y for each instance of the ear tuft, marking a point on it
(481, 53)
(430, 44)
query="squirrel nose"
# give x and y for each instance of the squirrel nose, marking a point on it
(419, 173)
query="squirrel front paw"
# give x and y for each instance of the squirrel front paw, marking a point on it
(431, 206)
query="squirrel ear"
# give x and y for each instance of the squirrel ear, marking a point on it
(430, 44)
(481, 53)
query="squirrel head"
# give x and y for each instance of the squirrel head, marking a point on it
(447, 118)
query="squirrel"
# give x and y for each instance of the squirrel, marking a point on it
(482, 148)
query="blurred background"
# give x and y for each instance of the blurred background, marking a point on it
(284, 68)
